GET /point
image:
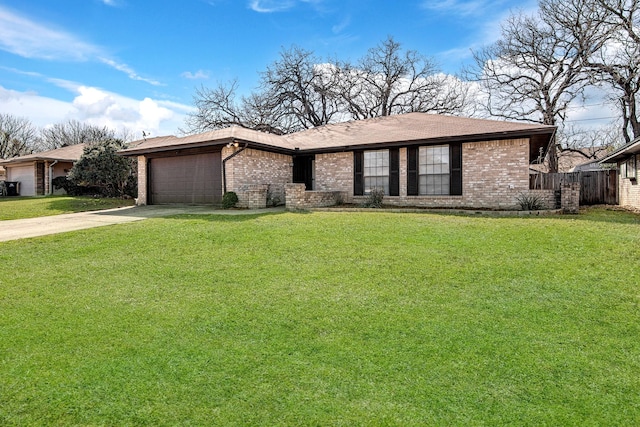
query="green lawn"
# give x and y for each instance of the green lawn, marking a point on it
(325, 319)
(33, 207)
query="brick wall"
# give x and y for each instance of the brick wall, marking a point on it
(494, 174)
(629, 190)
(253, 196)
(629, 193)
(546, 197)
(252, 167)
(298, 198)
(142, 181)
(570, 198)
(334, 172)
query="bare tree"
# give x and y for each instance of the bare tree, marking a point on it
(606, 35)
(533, 72)
(300, 91)
(73, 132)
(18, 136)
(389, 80)
(218, 108)
(591, 144)
(304, 86)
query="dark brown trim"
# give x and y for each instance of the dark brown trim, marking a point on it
(455, 169)
(358, 173)
(412, 171)
(183, 152)
(394, 172)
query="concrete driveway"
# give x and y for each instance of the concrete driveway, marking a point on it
(34, 227)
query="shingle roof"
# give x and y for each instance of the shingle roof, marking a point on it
(220, 136)
(406, 128)
(382, 130)
(623, 152)
(70, 153)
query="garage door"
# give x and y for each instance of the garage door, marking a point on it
(192, 179)
(26, 176)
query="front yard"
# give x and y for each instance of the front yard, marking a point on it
(33, 207)
(325, 319)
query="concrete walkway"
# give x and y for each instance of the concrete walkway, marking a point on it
(41, 226)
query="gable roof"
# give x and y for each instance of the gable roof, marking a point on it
(397, 129)
(623, 152)
(71, 153)
(410, 127)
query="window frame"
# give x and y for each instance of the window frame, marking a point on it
(393, 176)
(631, 168)
(455, 170)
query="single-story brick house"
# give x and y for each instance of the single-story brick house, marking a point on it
(418, 159)
(627, 158)
(35, 171)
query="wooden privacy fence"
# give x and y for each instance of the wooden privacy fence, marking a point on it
(596, 187)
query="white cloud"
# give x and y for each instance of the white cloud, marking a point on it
(269, 6)
(338, 28)
(128, 71)
(457, 7)
(98, 107)
(198, 75)
(29, 39)
(23, 37)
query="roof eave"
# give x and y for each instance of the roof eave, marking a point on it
(623, 152)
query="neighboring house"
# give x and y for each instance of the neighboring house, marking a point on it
(3, 173)
(418, 159)
(35, 172)
(627, 158)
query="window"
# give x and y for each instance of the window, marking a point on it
(376, 171)
(630, 167)
(433, 177)
(434, 170)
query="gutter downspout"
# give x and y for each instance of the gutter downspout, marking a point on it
(224, 165)
(51, 177)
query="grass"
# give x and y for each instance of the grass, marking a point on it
(33, 207)
(325, 319)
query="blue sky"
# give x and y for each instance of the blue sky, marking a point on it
(136, 63)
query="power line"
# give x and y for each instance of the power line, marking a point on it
(592, 119)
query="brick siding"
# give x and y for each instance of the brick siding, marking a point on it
(142, 181)
(629, 190)
(252, 167)
(494, 174)
(298, 198)
(334, 172)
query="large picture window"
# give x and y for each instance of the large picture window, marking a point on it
(433, 163)
(376, 171)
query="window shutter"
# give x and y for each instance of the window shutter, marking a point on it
(358, 173)
(394, 172)
(455, 183)
(412, 171)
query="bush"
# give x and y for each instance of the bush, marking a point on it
(530, 202)
(68, 186)
(375, 198)
(229, 199)
(101, 168)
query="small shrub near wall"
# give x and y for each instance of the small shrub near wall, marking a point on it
(229, 200)
(530, 202)
(374, 199)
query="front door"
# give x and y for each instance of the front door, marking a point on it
(303, 171)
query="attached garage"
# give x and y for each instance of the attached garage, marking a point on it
(26, 176)
(185, 179)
